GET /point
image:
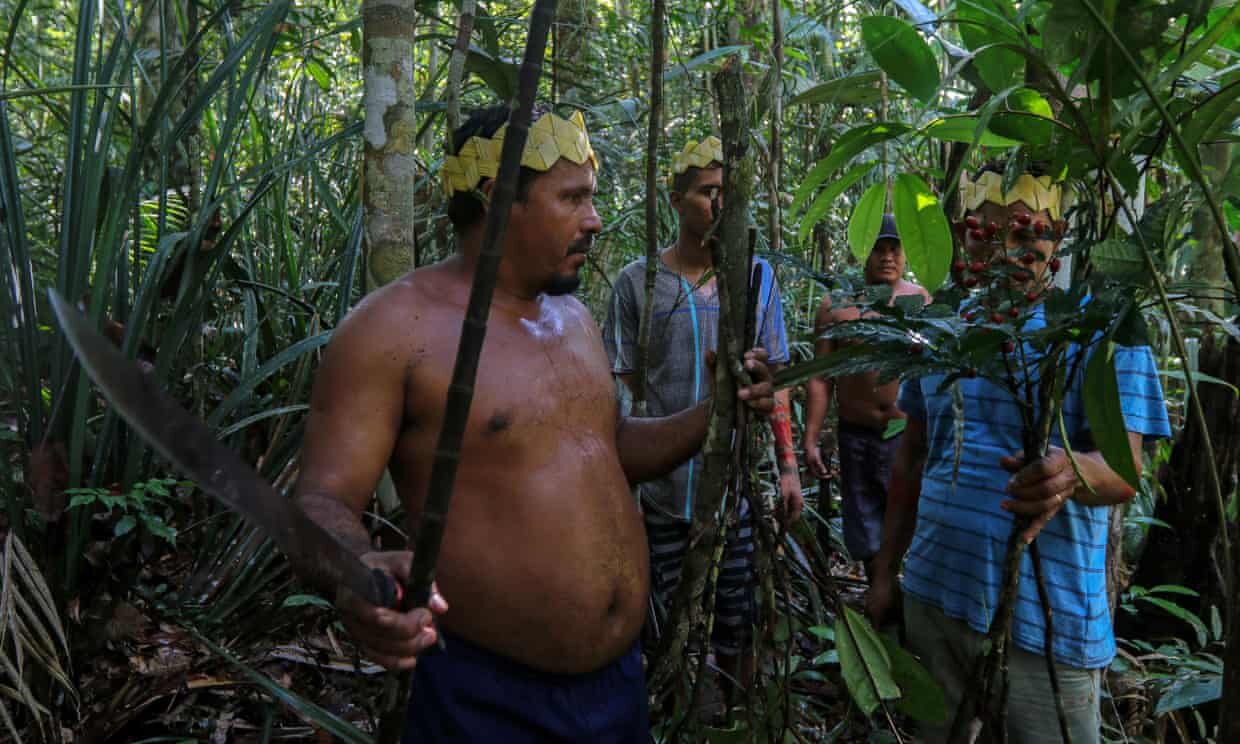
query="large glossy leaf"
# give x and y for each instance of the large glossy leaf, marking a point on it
(864, 661)
(966, 129)
(858, 89)
(903, 54)
(1025, 116)
(1105, 414)
(924, 232)
(827, 198)
(867, 218)
(985, 24)
(921, 697)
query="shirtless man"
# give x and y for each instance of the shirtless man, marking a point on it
(865, 409)
(544, 557)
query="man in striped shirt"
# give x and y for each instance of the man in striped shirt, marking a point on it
(950, 525)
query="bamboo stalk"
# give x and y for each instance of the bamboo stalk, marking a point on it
(658, 11)
(465, 370)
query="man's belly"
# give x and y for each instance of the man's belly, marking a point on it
(553, 575)
(863, 403)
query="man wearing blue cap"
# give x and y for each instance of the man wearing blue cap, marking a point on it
(865, 408)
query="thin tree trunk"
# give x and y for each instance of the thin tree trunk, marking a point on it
(456, 65)
(688, 614)
(390, 134)
(652, 205)
(774, 239)
(465, 370)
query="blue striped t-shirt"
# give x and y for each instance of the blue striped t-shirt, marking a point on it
(955, 561)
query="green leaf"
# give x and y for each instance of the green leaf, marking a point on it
(983, 24)
(867, 218)
(1186, 694)
(826, 199)
(903, 54)
(676, 71)
(895, 427)
(320, 72)
(124, 525)
(301, 600)
(1179, 612)
(924, 232)
(858, 89)
(1119, 258)
(922, 697)
(852, 143)
(863, 661)
(1105, 414)
(964, 129)
(1026, 116)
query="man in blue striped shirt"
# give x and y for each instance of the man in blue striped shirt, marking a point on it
(950, 522)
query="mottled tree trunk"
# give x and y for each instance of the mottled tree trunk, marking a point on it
(573, 25)
(390, 134)
(1208, 266)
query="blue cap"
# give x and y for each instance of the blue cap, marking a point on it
(888, 230)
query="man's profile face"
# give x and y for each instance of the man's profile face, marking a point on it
(553, 228)
(886, 262)
(694, 204)
(1029, 246)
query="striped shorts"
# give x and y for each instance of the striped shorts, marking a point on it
(734, 594)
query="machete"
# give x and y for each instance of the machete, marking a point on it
(186, 441)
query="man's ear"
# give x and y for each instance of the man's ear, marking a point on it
(674, 198)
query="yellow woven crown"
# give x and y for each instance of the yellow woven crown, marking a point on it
(1037, 192)
(550, 138)
(697, 155)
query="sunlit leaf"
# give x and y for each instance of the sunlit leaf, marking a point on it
(827, 198)
(924, 232)
(866, 220)
(965, 129)
(983, 25)
(903, 54)
(1026, 116)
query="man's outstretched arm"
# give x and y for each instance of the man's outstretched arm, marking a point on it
(651, 447)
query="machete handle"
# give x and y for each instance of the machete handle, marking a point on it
(387, 590)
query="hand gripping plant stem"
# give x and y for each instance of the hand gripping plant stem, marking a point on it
(473, 332)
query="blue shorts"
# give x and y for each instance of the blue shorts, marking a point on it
(469, 694)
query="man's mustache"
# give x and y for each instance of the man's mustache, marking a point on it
(582, 245)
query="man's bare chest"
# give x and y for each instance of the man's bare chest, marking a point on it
(530, 379)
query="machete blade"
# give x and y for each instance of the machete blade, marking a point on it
(186, 441)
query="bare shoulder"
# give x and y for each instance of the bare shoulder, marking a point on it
(571, 308)
(387, 321)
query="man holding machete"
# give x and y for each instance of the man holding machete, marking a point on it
(544, 559)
